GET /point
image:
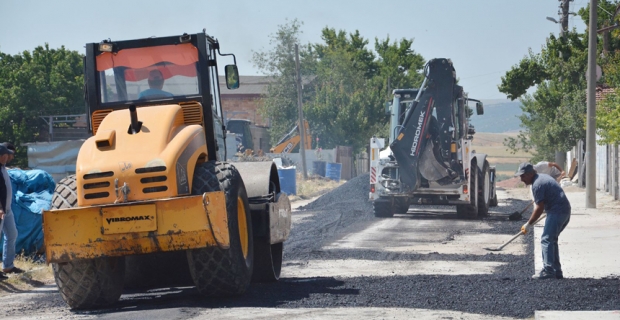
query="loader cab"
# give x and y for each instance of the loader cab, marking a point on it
(156, 71)
(403, 98)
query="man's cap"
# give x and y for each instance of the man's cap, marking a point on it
(4, 150)
(9, 146)
(524, 168)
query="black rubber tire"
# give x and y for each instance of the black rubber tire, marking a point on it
(215, 271)
(89, 283)
(494, 201)
(383, 208)
(401, 205)
(484, 191)
(267, 260)
(470, 211)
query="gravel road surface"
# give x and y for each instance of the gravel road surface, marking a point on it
(342, 262)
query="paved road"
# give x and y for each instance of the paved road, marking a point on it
(343, 263)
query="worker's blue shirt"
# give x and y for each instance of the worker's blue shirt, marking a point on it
(545, 188)
(154, 94)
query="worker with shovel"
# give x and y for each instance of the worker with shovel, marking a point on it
(549, 196)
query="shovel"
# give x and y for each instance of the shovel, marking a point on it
(519, 215)
(515, 236)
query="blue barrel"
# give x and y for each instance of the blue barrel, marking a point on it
(318, 168)
(288, 180)
(333, 170)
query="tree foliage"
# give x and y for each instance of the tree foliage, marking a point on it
(33, 84)
(346, 84)
(608, 110)
(555, 114)
(279, 104)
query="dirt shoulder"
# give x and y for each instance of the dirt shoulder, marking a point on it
(36, 274)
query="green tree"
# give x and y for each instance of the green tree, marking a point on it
(352, 85)
(345, 83)
(555, 114)
(608, 110)
(279, 104)
(42, 82)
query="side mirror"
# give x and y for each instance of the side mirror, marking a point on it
(388, 105)
(479, 108)
(232, 76)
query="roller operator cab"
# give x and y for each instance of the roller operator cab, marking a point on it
(430, 159)
(152, 189)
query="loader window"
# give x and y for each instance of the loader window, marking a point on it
(124, 75)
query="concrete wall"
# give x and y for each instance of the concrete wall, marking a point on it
(311, 155)
(260, 137)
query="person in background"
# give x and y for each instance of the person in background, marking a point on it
(9, 229)
(550, 168)
(5, 192)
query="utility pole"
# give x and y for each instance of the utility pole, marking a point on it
(302, 129)
(560, 156)
(591, 114)
(564, 18)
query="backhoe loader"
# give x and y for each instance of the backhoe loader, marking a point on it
(151, 188)
(291, 140)
(430, 159)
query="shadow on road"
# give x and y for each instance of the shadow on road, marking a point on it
(266, 295)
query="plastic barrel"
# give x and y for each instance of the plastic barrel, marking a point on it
(333, 170)
(318, 168)
(288, 180)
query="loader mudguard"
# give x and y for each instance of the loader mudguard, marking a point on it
(415, 132)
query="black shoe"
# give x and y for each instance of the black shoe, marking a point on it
(559, 275)
(544, 275)
(13, 270)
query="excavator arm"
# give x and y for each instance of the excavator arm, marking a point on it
(292, 139)
(425, 146)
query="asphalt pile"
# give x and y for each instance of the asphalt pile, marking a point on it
(354, 192)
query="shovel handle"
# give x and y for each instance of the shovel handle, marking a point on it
(520, 233)
(509, 241)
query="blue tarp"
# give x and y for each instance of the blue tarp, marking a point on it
(32, 193)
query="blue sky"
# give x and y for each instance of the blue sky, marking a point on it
(484, 38)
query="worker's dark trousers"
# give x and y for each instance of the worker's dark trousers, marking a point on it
(554, 225)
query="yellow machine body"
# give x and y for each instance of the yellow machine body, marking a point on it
(134, 189)
(143, 227)
(155, 163)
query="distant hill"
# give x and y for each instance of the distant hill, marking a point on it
(499, 116)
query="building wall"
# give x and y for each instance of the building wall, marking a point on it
(243, 107)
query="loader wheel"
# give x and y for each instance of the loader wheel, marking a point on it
(401, 205)
(484, 193)
(383, 208)
(493, 202)
(470, 211)
(86, 283)
(216, 271)
(267, 260)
